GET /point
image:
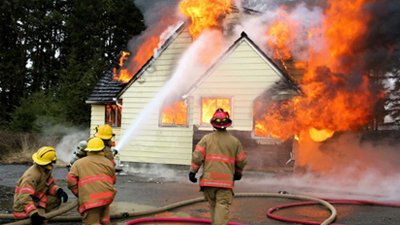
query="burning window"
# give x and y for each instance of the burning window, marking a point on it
(174, 114)
(113, 114)
(209, 105)
(268, 123)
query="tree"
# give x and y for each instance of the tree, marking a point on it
(60, 49)
(96, 31)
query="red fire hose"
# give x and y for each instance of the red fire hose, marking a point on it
(331, 201)
(183, 220)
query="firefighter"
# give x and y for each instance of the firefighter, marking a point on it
(92, 180)
(78, 153)
(105, 132)
(223, 161)
(36, 192)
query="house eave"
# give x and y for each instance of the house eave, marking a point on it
(153, 58)
(98, 102)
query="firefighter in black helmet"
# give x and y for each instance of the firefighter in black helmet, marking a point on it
(223, 161)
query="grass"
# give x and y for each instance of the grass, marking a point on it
(18, 148)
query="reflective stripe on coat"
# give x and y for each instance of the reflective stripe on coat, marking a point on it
(92, 180)
(33, 186)
(221, 155)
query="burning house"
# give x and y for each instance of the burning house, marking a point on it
(160, 98)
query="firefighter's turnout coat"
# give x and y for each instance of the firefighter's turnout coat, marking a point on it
(221, 155)
(32, 191)
(92, 180)
(107, 151)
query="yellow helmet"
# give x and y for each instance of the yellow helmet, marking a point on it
(105, 132)
(44, 156)
(94, 145)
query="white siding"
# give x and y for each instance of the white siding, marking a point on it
(242, 76)
(98, 118)
(151, 143)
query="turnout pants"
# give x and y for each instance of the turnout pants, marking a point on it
(219, 200)
(96, 216)
(52, 203)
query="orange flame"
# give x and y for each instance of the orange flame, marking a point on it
(335, 99)
(281, 36)
(123, 57)
(144, 53)
(204, 14)
(174, 114)
(210, 105)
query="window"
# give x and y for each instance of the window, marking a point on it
(269, 117)
(113, 114)
(174, 114)
(210, 105)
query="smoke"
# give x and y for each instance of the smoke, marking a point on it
(158, 16)
(350, 165)
(66, 147)
(382, 43)
(155, 171)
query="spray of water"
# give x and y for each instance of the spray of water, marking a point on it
(186, 72)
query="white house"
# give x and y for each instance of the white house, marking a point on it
(170, 130)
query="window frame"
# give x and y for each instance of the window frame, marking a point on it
(167, 103)
(117, 114)
(214, 97)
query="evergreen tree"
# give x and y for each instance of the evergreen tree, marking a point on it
(60, 49)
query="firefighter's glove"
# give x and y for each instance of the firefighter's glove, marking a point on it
(37, 219)
(192, 177)
(237, 176)
(61, 194)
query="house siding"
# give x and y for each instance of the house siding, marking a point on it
(98, 118)
(243, 75)
(151, 143)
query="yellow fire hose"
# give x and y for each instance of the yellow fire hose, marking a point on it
(54, 216)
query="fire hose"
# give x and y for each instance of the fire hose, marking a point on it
(332, 201)
(54, 216)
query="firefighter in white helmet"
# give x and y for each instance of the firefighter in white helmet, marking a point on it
(78, 153)
(36, 192)
(105, 132)
(223, 161)
(92, 180)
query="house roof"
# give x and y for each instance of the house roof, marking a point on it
(107, 88)
(276, 66)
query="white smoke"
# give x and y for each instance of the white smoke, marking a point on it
(306, 19)
(66, 147)
(350, 165)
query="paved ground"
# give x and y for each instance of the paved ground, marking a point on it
(152, 187)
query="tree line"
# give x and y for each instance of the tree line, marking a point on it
(52, 54)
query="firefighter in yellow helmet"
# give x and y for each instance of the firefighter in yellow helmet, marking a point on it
(92, 180)
(36, 192)
(105, 132)
(223, 161)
